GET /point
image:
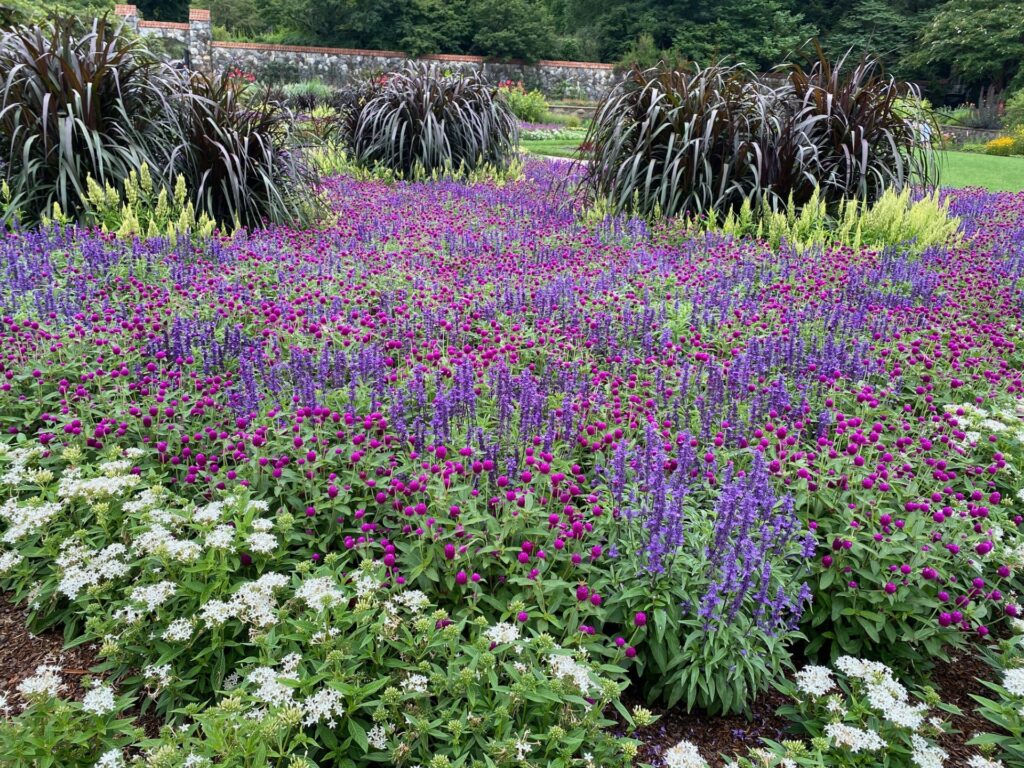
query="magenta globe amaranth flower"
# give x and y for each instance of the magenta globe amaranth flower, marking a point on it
(640, 619)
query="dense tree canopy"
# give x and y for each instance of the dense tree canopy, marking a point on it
(966, 43)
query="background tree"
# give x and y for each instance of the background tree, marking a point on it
(980, 41)
(512, 29)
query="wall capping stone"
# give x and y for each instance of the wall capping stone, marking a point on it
(340, 65)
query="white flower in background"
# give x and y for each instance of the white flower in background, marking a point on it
(1013, 681)
(270, 688)
(99, 700)
(19, 459)
(414, 600)
(210, 513)
(115, 468)
(148, 498)
(862, 669)
(46, 681)
(684, 755)
(260, 505)
(96, 488)
(221, 537)
(415, 684)
(523, 747)
(128, 614)
(567, 668)
(815, 680)
(977, 761)
(9, 559)
(5, 705)
(82, 567)
(134, 452)
(290, 664)
(110, 759)
(262, 543)
(993, 426)
(23, 521)
(320, 593)
(262, 524)
(160, 541)
(926, 755)
(502, 633)
(253, 603)
(178, 631)
(324, 706)
(854, 739)
(378, 737)
(159, 676)
(154, 595)
(366, 585)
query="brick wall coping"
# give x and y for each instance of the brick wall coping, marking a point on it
(162, 25)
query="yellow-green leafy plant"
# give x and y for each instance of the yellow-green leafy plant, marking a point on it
(144, 209)
(894, 219)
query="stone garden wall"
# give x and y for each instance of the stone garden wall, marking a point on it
(284, 63)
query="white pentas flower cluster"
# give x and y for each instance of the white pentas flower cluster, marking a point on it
(873, 684)
(685, 754)
(814, 680)
(254, 603)
(46, 681)
(82, 567)
(9, 560)
(324, 706)
(320, 593)
(27, 519)
(99, 700)
(154, 595)
(854, 739)
(158, 540)
(977, 761)
(178, 631)
(111, 759)
(222, 537)
(885, 695)
(261, 541)
(1013, 681)
(568, 668)
(502, 633)
(114, 482)
(926, 755)
(18, 462)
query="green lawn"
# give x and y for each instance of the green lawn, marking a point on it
(550, 147)
(969, 169)
(959, 169)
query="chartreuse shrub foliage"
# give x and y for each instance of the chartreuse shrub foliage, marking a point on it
(896, 218)
(692, 140)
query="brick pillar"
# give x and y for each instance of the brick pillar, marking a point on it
(129, 15)
(200, 40)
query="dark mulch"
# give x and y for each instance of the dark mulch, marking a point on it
(716, 736)
(955, 680)
(21, 652)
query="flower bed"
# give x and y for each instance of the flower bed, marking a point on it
(440, 481)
